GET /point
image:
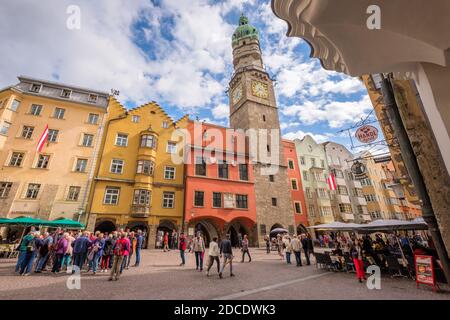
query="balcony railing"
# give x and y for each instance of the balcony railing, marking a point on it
(140, 211)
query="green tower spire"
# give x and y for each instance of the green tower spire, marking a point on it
(244, 30)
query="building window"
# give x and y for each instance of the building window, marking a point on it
(274, 202)
(322, 163)
(291, 164)
(302, 160)
(117, 166)
(135, 119)
(200, 167)
(36, 109)
(243, 171)
(345, 208)
(271, 178)
(93, 118)
(165, 124)
(81, 165)
(15, 105)
(148, 141)
(32, 191)
(74, 193)
(294, 184)
(92, 98)
(370, 197)
(52, 135)
(360, 209)
(169, 173)
(223, 170)
(338, 173)
(313, 162)
(88, 139)
(298, 207)
(66, 93)
(35, 87)
(217, 200)
(5, 188)
(43, 161)
(59, 113)
(305, 175)
(322, 193)
(325, 211)
(27, 132)
(311, 211)
(145, 167)
(141, 197)
(5, 128)
(308, 193)
(171, 147)
(264, 118)
(168, 199)
(16, 159)
(342, 190)
(366, 182)
(199, 197)
(268, 148)
(111, 195)
(241, 201)
(121, 140)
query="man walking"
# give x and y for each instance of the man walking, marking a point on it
(213, 254)
(182, 246)
(227, 252)
(139, 242)
(297, 248)
(305, 244)
(119, 249)
(199, 250)
(245, 249)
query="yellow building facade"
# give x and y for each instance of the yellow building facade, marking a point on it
(137, 185)
(55, 182)
(382, 201)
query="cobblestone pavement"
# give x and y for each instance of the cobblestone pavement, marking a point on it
(161, 277)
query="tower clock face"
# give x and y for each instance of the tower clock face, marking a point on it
(260, 89)
(236, 94)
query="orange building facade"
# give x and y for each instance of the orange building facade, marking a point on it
(296, 187)
(219, 184)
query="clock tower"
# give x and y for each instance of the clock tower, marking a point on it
(253, 106)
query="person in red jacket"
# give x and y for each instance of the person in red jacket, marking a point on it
(120, 247)
(166, 242)
(182, 243)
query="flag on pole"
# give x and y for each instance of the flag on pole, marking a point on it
(42, 139)
(332, 182)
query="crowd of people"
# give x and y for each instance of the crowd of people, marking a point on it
(287, 245)
(78, 251)
(377, 250)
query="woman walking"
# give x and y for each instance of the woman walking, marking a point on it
(199, 250)
(357, 255)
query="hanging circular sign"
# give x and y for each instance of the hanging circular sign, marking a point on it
(367, 134)
(358, 169)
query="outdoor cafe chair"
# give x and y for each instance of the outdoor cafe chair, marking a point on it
(349, 265)
(394, 267)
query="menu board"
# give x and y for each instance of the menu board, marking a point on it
(424, 270)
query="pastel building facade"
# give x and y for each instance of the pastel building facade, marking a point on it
(219, 184)
(53, 183)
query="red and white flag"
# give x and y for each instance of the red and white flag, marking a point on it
(42, 140)
(332, 182)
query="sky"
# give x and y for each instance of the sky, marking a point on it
(177, 53)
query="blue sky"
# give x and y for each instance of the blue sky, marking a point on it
(178, 53)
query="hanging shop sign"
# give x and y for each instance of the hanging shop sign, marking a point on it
(367, 134)
(358, 170)
(425, 270)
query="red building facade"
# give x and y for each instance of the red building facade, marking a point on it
(219, 183)
(296, 188)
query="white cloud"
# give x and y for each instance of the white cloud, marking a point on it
(335, 113)
(319, 138)
(221, 111)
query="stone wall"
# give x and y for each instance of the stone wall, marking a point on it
(426, 150)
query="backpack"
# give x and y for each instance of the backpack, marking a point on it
(118, 249)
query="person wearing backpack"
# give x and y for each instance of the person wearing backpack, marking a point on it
(24, 244)
(107, 253)
(119, 248)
